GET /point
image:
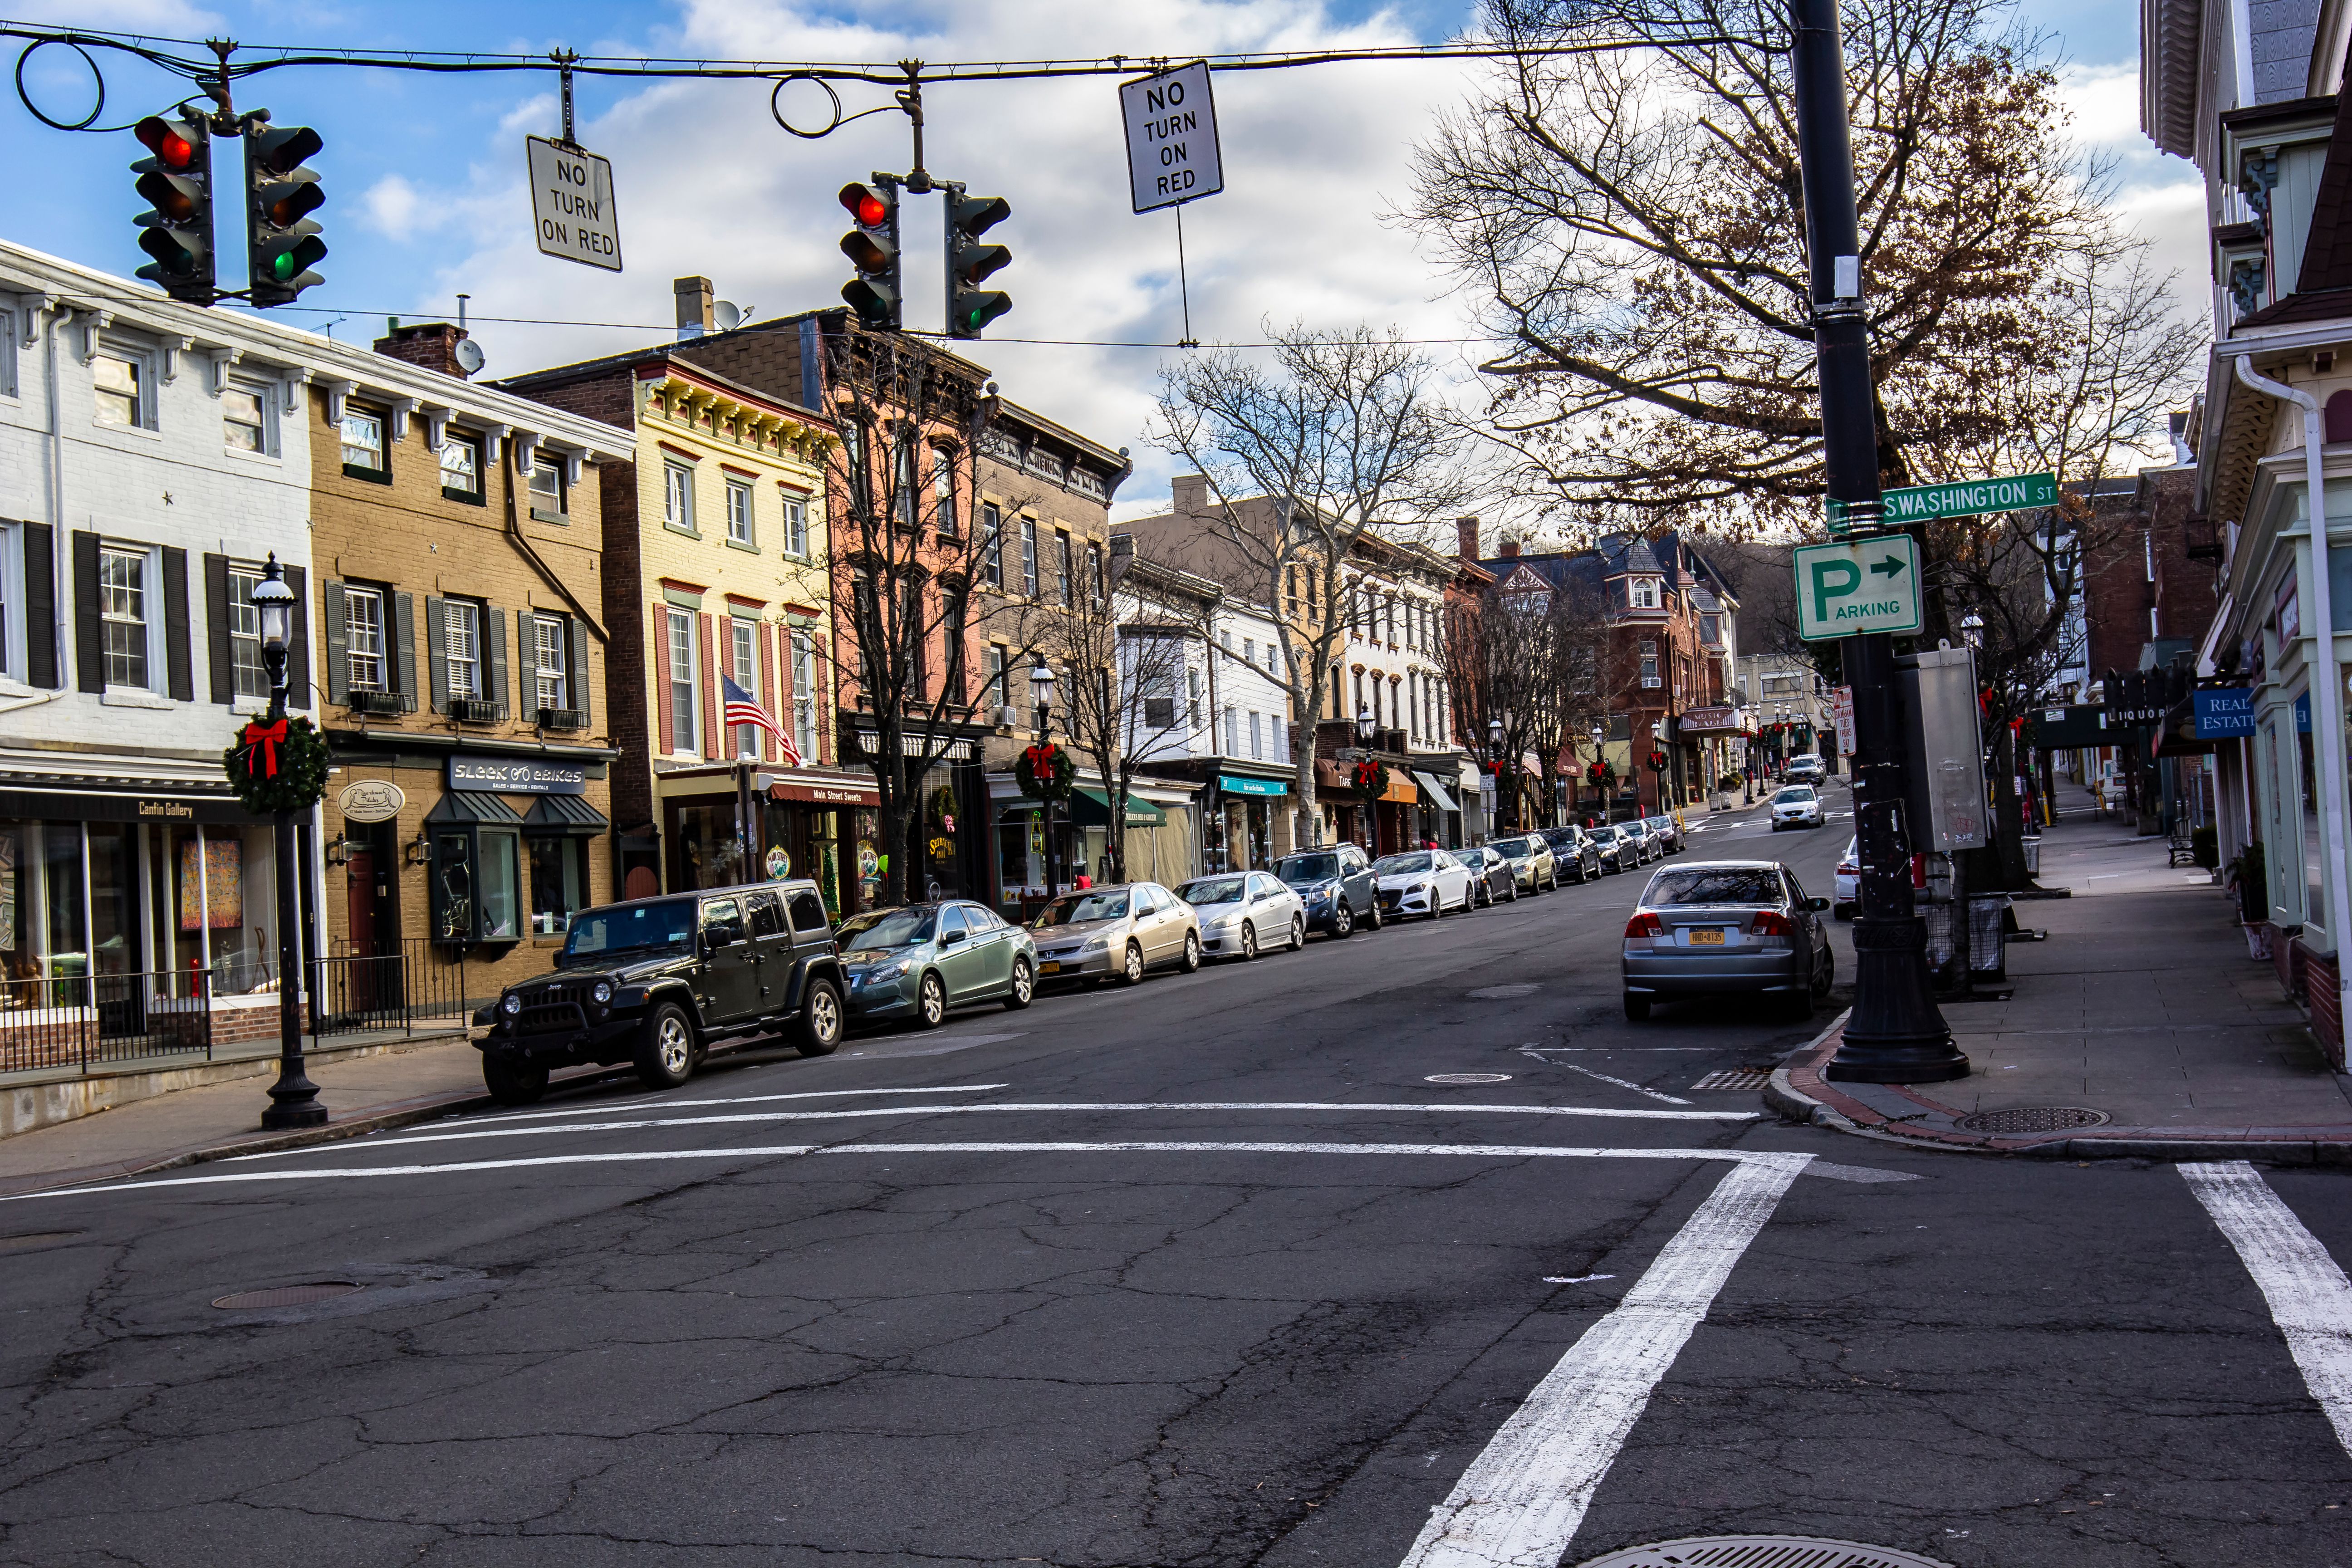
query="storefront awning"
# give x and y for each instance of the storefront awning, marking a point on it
(1436, 793)
(1329, 779)
(473, 806)
(1401, 790)
(1091, 808)
(1233, 784)
(821, 788)
(564, 813)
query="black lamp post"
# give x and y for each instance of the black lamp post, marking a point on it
(1363, 753)
(293, 1098)
(1041, 687)
(1495, 760)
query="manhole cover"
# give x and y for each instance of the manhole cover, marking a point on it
(287, 1296)
(1467, 1077)
(1502, 993)
(30, 1240)
(1762, 1552)
(2032, 1119)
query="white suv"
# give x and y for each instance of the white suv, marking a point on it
(1798, 805)
(1806, 768)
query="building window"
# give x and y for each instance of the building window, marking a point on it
(474, 885)
(1649, 663)
(903, 480)
(678, 497)
(120, 384)
(549, 638)
(992, 546)
(546, 497)
(1232, 733)
(251, 679)
(992, 677)
(461, 469)
(245, 421)
(943, 512)
(796, 527)
(1068, 570)
(11, 615)
(461, 645)
(122, 606)
(1646, 594)
(1257, 750)
(739, 513)
(363, 444)
(559, 883)
(743, 657)
(683, 712)
(364, 637)
(1029, 556)
(1094, 572)
(804, 696)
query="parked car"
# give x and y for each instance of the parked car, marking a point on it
(1669, 834)
(1805, 767)
(1646, 845)
(1421, 882)
(659, 981)
(1490, 875)
(1574, 853)
(1533, 867)
(1845, 883)
(1619, 850)
(1126, 929)
(1241, 913)
(1337, 885)
(918, 961)
(1727, 927)
(1797, 806)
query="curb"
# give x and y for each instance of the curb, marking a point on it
(1799, 1093)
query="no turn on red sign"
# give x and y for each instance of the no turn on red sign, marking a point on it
(1171, 138)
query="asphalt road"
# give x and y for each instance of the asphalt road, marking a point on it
(1209, 1273)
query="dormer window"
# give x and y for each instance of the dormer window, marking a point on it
(1645, 592)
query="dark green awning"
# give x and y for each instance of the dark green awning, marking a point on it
(551, 814)
(1091, 808)
(473, 806)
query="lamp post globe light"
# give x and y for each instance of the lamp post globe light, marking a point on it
(1041, 687)
(293, 1098)
(1972, 629)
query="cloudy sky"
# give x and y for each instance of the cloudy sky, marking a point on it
(426, 195)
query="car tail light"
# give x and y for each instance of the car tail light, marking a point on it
(1645, 924)
(1848, 868)
(1772, 923)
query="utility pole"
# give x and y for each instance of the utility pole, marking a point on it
(1895, 1035)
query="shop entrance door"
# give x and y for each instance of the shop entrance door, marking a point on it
(359, 876)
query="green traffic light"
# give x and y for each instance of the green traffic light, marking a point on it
(281, 265)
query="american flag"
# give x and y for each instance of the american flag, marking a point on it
(741, 708)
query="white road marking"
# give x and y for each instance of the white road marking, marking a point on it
(791, 1150)
(2309, 1297)
(1579, 1280)
(1620, 1083)
(650, 1103)
(1523, 1498)
(638, 1123)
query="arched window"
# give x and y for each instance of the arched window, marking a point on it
(2339, 418)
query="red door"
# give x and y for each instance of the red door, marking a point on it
(360, 874)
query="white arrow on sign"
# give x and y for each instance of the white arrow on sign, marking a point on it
(1172, 154)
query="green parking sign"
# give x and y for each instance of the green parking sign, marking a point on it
(1862, 586)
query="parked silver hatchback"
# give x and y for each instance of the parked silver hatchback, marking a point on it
(1727, 927)
(1122, 931)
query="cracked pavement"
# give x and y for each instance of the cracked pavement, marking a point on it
(1105, 1358)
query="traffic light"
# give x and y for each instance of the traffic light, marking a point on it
(876, 292)
(177, 182)
(970, 263)
(282, 243)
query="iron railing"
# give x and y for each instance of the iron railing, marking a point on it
(84, 1020)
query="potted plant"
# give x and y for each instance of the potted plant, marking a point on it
(2248, 880)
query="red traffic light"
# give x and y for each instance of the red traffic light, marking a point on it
(161, 137)
(870, 210)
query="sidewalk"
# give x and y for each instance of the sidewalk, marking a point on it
(2142, 1007)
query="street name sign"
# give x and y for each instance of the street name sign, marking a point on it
(1172, 154)
(1963, 498)
(1858, 585)
(571, 208)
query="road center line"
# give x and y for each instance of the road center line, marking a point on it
(2310, 1300)
(639, 1122)
(1794, 1163)
(652, 1104)
(1523, 1498)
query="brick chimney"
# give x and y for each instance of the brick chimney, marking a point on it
(695, 297)
(1466, 534)
(1188, 494)
(433, 344)
(1509, 546)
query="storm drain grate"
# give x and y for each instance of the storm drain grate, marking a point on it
(1735, 1079)
(1762, 1552)
(2032, 1119)
(287, 1296)
(1467, 1077)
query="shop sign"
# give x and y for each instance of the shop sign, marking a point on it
(819, 791)
(780, 864)
(102, 806)
(518, 775)
(2225, 712)
(1709, 721)
(370, 800)
(1230, 784)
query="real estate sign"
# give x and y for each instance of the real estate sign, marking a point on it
(1858, 585)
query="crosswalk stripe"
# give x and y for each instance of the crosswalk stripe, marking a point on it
(2310, 1300)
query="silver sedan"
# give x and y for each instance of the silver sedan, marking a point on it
(1121, 930)
(1737, 927)
(1242, 913)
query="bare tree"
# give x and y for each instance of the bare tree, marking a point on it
(1341, 435)
(1539, 664)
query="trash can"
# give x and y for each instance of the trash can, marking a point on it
(1988, 952)
(2033, 855)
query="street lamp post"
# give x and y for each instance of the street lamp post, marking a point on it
(1363, 753)
(1041, 687)
(1972, 629)
(1495, 760)
(293, 1098)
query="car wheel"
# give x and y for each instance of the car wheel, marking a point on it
(1828, 976)
(1191, 951)
(931, 1002)
(512, 1082)
(1249, 941)
(665, 1056)
(1373, 919)
(1132, 972)
(1297, 932)
(1343, 921)
(819, 1031)
(1636, 1007)
(1479, 897)
(1436, 904)
(1841, 911)
(1514, 897)
(1024, 985)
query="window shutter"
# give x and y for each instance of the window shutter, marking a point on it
(494, 628)
(216, 649)
(527, 667)
(437, 656)
(576, 630)
(403, 631)
(767, 636)
(714, 744)
(662, 679)
(298, 641)
(179, 657)
(90, 639)
(40, 607)
(339, 647)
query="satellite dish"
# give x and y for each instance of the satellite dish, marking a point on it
(470, 355)
(726, 315)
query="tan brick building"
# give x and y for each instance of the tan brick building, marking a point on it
(456, 538)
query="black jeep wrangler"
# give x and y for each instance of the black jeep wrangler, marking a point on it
(658, 981)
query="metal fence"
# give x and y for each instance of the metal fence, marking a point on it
(84, 1020)
(424, 982)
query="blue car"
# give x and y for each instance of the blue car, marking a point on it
(916, 963)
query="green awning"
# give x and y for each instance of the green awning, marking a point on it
(473, 806)
(1091, 808)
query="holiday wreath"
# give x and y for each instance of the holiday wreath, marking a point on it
(1045, 771)
(281, 765)
(1657, 761)
(1369, 781)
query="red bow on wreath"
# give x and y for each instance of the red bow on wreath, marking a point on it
(1041, 760)
(265, 736)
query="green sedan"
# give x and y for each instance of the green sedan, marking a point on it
(917, 962)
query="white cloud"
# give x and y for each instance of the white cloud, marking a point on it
(393, 206)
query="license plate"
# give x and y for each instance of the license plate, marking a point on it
(1051, 966)
(1706, 939)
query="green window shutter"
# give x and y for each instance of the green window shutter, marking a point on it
(90, 637)
(179, 657)
(527, 667)
(298, 641)
(41, 607)
(338, 647)
(218, 660)
(494, 628)
(437, 656)
(577, 664)
(404, 668)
